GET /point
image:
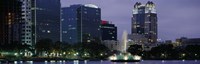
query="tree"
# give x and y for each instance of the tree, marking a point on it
(43, 45)
(135, 49)
(192, 51)
(164, 51)
(94, 49)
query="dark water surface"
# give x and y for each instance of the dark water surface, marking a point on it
(108, 62)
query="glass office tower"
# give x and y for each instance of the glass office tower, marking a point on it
(108, 31)
(144, 21)
(81, 23)
(46, 20)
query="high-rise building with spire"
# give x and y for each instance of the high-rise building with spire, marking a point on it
(144, 21)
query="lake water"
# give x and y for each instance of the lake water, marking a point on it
(108, 62)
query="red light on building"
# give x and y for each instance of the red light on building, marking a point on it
(104, 22)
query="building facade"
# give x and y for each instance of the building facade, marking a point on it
(10, 21)
(109, 35)
(136, 39)
(81, 23)
(26, 23)
(45, 20)
(183, 41)
(144, 21)
(108, 31)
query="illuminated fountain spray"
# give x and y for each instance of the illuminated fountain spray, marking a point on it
(124, 56)
(124, 42)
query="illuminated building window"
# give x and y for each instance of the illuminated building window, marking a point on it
(113, 37)
(148, 15)
(135, 26)
(69, 25)
(151, 40)
(48, 31)
(64, 31)
(138, 26)
(43, 30)
(85, 12)
(73, 28)
(88, 41)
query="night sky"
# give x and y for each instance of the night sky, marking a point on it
(176, 18)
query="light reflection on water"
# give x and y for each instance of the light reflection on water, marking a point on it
(108, 62)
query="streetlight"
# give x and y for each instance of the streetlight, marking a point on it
(74, 54)
(195, 54)
(64, 53)
(183, 54)
(163, 54)
(15, 54)
(101, 54)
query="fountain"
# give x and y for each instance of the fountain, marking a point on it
(124, 42)
(124, 56)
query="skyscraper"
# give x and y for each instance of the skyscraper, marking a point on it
(45, 20)
(81, 23)
(108, 31)
(26, 23)
(109, 35)
(144, 21)
(10, 17)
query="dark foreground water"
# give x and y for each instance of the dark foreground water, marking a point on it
(108, 62)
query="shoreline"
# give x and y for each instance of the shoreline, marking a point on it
(61, 59)
(69, 60)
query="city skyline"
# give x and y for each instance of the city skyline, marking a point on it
(37, 32)
(180, 20)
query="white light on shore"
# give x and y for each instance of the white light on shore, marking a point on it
(113, 58)
(126, 58)
(52, 61)
(15, 62)
(16, 54)
(137, 58)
